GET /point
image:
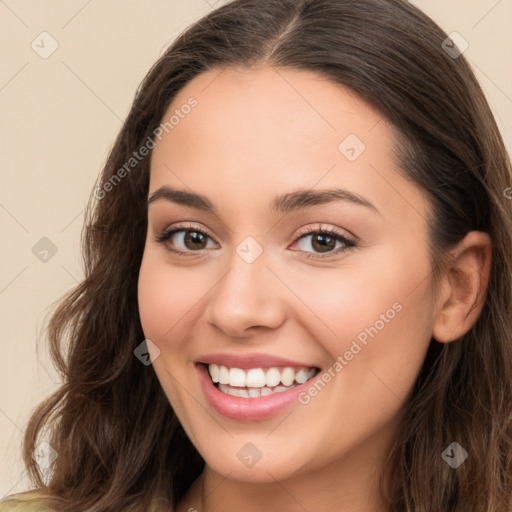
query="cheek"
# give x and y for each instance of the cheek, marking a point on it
(166, 296)
(374, 319)
(382, 329)
(379, 290)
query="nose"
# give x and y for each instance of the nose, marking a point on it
(249, 296)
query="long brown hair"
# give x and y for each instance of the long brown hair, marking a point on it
(119, 444)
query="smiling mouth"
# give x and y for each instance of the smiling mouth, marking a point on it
(256, 382)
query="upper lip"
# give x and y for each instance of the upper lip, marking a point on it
(247, 361)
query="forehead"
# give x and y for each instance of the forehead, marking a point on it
(254, 105)
(253, 130)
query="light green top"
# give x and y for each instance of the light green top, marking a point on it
(33, 501)
(24, 502)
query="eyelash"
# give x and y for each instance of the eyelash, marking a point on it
(165, 235)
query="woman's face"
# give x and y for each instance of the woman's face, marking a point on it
(265, 301)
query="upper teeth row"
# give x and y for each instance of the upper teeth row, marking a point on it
(257, 377)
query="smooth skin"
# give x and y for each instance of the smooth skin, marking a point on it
(257, 133)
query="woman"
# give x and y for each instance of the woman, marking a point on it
(341, 340)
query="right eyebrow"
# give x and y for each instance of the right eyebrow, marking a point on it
(183, 197)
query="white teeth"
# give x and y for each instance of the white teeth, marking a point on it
(243, 393)
(273, 377)
(255, 378)
(258, 379)
(223, 375)
(301, 376)
(235, 392)
(287, 376)
(251, 392)
(214, 372)
(237, 377)
(304, 374)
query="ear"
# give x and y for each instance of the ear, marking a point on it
(464, 287)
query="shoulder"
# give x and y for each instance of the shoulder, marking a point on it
(34, 501)
(31, 501)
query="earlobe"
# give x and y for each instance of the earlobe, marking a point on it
(464, 287)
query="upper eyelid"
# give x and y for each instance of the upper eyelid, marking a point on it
(326, 229)
(179, 227)
(303, 232)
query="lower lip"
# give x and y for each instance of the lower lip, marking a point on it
(248, 409)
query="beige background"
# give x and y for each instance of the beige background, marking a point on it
(60, 116)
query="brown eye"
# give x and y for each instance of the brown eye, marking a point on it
(324, 243)
(185, 240)
(194, 240)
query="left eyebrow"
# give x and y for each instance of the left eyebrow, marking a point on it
(306, 198)
(284, 203)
